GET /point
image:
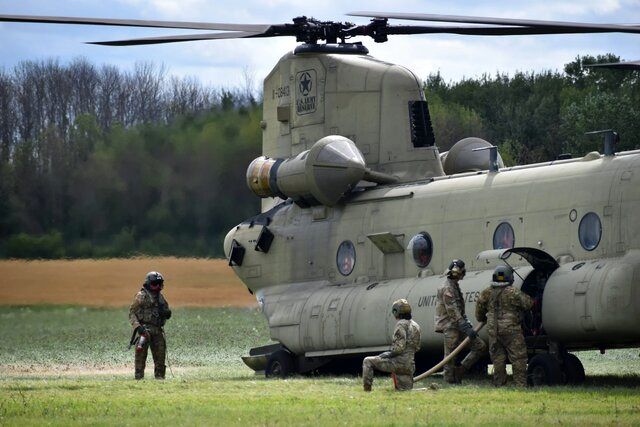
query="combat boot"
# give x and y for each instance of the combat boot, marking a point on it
(450, 376)
(139, 373)
(159, 372)
(366, 387)
(458, 373)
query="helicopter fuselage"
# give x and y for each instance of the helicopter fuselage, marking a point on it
(591, 301)
(326, 273)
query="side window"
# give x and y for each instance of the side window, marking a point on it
(346, 257)
(421, 248)
(590, 231)
(503, 237)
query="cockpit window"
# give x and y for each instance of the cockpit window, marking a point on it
(590, 231)
(503, 237)
(422, 249)
(346, 257)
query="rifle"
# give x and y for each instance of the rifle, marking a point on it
(135, 336)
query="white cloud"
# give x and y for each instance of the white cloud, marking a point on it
(221, 62)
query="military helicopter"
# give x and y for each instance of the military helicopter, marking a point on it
(360, 208)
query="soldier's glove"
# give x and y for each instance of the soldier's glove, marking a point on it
(167, 314)
(467, 328)
(141, 330)
(386, 355)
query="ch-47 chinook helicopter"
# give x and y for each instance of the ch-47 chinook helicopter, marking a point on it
(361, 209)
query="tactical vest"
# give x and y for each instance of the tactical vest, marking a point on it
(443, 320)
(504, 310)
(151, 309)
(412, 332)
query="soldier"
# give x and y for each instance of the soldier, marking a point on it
(501, 306)
(451, 320)
(400, 360)
(147, 315)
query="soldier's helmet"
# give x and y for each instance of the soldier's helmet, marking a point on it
(154, 281)
(456, 269)
(400, 306)
(503, 275)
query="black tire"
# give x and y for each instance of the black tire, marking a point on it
(544, 369)
(573, 369)
(279, 365)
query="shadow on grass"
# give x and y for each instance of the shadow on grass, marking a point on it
(599, 381)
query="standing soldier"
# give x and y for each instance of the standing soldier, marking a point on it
(400, 360)
(501, 306)
(147, 315)
(451, 320)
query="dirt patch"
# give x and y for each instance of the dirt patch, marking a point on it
(114, 282)
(39, 371)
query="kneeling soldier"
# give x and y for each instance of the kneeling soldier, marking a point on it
(147, 315)
(400, 360)
(501, 306)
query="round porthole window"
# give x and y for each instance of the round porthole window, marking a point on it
(503, 237)
(346, 257)
(422, 249)
(590, 231)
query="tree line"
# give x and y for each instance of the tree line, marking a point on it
(99, 162)
(534, 117)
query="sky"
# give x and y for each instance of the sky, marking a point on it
(226, 63)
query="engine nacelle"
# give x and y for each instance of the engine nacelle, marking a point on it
(462, 157)
(321, 175)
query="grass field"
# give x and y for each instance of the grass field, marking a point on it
(58, 338)
(68, 366)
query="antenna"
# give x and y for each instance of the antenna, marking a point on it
(493, 157)
(611, 138)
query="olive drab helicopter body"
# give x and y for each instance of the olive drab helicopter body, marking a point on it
(360, 208)
(329, 272)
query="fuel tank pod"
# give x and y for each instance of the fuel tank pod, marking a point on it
(595, 302)
(321, 175)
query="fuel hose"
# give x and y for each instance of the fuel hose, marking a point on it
(450, 356)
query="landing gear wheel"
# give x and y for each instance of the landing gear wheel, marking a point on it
(544, 369)
(573, 369)
(279, 365)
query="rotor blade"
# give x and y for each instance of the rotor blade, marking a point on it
(259, 28)
(502, 21)
(627, 65)
(180, 38)
(485, 31)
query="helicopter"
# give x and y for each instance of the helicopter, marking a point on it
(360, 208)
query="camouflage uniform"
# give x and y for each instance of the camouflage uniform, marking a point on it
(450, 316)
(149, 310)
(406, 342)
(501, 307)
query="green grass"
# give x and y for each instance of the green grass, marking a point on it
(211, 386)
(76, 337)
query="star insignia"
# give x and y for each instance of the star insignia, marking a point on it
(305, 84)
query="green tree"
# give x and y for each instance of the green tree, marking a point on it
(600, 111)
